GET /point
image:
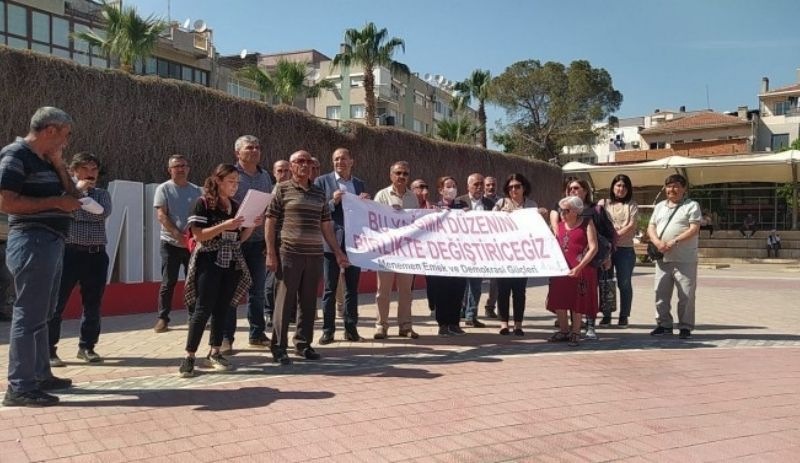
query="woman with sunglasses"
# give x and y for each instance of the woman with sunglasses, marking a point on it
(517, 188)
(577, 291)
(623, 212)
(446, 293)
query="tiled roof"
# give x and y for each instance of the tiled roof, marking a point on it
(705, 120)
(788, 88)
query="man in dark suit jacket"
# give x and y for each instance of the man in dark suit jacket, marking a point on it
(476, 202)
(335, 184)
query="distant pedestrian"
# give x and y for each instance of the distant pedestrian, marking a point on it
(773, 243)
(748, 226)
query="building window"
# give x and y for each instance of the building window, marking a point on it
(2, 21)
(81, 45)
(658, 145)
(61, 32)
(782, 107)
(19, 44)
(333, 112)
(41, 48)
(186, 74)
(779, 141)
(357, 111)
(41, 27)
(17, 21)
(417, 126)
(61, 53)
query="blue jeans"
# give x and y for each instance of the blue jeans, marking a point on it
(472, 296)
(623, 260)
(330, 272)
(253, 252)
(34, 256)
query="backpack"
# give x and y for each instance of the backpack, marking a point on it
(607, 236)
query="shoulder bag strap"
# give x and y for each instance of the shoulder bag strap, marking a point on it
(670, 219)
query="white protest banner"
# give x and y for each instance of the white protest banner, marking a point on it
(450, 243)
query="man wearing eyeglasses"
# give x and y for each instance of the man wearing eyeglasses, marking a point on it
(174, 200)
(398, 196)
(300, 211)
(38, 195)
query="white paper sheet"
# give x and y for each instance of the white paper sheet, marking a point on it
(253, 205)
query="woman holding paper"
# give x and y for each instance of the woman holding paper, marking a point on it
(218, 275)
(516, 189)
(446, 293)
(577, 291)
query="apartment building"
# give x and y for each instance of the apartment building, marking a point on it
(780, 115)
(46, 26)
(403, 101)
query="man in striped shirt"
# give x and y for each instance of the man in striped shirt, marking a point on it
(38, 195)
(300, 211)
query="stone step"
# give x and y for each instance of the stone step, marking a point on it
(762, 234)
(745, 253)
(748, 243)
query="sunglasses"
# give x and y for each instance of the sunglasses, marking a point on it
(401, 174)
(422, 187)
(515, 186)
(575, 187)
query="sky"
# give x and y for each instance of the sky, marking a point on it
(660, 54)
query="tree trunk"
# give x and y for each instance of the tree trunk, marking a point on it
(482, 122)
(369, 96)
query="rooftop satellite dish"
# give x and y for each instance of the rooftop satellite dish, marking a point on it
(186, 23)
(243, 53)
(439, 79)
(314, 76)
(427, 77)
(200, 26)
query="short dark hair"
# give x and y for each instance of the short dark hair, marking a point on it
(80, 159)
(676, 178)
(628, 187)
(526, 185)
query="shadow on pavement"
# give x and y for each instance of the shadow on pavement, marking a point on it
(203, 399)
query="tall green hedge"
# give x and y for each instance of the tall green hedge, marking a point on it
(134, 123)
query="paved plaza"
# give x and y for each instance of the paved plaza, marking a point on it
(729, 394)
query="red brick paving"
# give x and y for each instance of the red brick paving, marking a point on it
(481, 398)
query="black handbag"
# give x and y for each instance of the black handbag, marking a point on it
(652, 251)
(608, 292)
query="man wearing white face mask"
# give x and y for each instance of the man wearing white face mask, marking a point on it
(476, 202)
(399, 196)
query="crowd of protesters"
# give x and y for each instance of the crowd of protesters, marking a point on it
(57, 240)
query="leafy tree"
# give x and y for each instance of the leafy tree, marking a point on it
(461, 128)
(549, 106)
(369, 48)
(477, 86)
(286, 82)
(128, 36)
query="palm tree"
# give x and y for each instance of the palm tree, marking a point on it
(461, 128)
(128, 36)
(477, 86)
(370, 49)
(286, 81)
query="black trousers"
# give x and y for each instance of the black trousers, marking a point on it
(87, 266)
(215, 288)
(506, 289)
(446, 295)
(172, 257)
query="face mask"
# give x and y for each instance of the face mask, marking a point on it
(449, 193)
